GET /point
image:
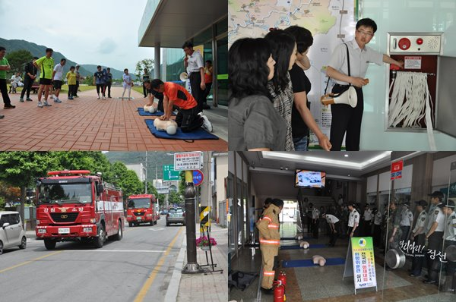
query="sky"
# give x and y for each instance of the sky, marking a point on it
(103, 32)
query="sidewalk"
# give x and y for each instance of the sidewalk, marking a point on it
(201, 287)
(86, 123)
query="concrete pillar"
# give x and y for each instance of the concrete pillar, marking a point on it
(157, 71)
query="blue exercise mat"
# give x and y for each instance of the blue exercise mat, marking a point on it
(199, 134)
(156, 113)
(297, 247)
(309, 262)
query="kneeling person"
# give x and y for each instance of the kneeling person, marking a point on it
(188, 117)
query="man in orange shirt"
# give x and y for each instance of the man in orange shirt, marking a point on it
(188, 118)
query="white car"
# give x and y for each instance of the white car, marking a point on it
(11, 231)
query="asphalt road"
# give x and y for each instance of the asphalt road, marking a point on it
(137, 268)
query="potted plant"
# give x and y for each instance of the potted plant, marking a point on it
(203, 242)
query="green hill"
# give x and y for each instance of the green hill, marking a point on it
(155, 160)
(40, 50)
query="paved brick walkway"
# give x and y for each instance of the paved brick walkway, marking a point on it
(211, 287)
(87, 124)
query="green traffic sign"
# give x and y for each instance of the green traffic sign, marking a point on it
(169, 173)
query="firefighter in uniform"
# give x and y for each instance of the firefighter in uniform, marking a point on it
(434, 235)
(418, 239)
(315, 221)
(406, 220)
(353, 221)
(268, 227)
(449, 237)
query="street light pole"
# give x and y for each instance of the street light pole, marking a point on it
(146, 176)
(192, 266)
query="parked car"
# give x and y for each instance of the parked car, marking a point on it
(175, 215)
(164, 212)
(11, 231)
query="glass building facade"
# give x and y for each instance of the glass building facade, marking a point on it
(213, 41)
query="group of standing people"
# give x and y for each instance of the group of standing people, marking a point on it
(269, 108)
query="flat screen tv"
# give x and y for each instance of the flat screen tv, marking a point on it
(310, 179)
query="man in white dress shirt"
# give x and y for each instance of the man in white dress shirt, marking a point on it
(194, 64)
(346, 119)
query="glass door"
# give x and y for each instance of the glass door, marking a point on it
(222, 70)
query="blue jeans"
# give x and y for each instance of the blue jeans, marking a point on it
(300, 143)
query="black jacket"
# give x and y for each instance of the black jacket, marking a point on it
(30, 68)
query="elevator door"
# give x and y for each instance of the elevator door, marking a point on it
(446, 94)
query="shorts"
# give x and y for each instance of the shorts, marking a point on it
(45, 81)
(57, 84)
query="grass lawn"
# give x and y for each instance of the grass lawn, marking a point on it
(138, 89)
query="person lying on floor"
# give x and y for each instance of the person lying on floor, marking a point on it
(188, 117)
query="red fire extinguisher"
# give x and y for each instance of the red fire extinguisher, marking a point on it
(283, 278)
(279, 292)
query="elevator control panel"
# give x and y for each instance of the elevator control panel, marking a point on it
(415, 43)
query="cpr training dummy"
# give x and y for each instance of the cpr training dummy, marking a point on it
(304, 244)
(169, 126)
(150, 108)
(319, 260)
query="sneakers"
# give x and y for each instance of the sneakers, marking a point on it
(21, 100)
(47, 104)
(40, 104)
(207, 125)
(9, 106)
(1, 116)
(57, 100)
(98, 97)
(104, 98)
(29, 100)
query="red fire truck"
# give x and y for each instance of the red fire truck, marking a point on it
(73, 205)
(142, 208)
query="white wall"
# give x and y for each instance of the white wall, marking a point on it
(384, 184)
(406, 180)
(372, 184)
(441, 171)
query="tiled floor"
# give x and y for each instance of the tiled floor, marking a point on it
(320, 284)
(88, 124)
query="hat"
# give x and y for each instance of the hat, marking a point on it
(406, 202)
(353, 204)
(449, 204)
(422, 203)
(437, 194)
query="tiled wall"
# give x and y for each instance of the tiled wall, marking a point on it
(398, 16)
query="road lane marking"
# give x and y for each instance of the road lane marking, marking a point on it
(145, 288)
(29, 261)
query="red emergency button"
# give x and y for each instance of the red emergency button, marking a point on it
(419, 41)
(404, 43)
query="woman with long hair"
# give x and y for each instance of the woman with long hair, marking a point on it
(254, 124)
(283, 47)
(302, 119)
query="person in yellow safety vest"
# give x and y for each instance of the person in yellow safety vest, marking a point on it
(268, 227)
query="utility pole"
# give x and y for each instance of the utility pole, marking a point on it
(146, 176)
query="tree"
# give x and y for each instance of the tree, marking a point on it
(175, 197)
(126, 179)
(141, 65)
(22, 168)
(17, 60)
(88, 80)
